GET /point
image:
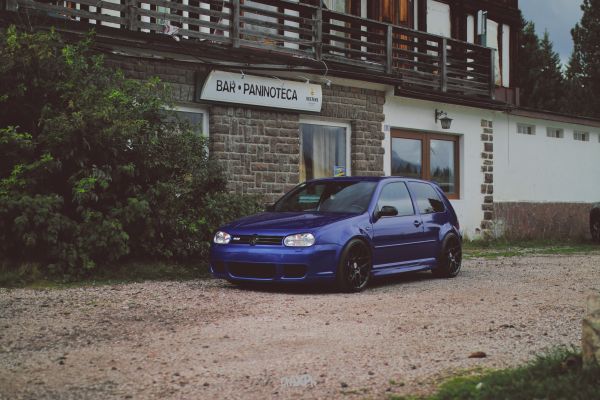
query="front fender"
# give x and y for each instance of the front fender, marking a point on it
(341, 232)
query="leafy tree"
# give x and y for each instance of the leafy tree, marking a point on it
(583, 72)
(539, 71)
(93, 167)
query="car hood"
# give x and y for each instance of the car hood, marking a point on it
(286, 221)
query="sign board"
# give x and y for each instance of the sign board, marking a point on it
(339, 170)
(228, 87)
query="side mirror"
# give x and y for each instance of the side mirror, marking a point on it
(270, 207)
(386, 211)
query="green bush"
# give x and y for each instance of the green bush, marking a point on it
(94, 169)
(557, 375)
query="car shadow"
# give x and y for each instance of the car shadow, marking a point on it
(310, 289)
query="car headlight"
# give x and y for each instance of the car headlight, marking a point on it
(222, 238)
(299, 240)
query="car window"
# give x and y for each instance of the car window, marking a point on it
(396, 195)
(328, 196)
(427, 199)
(307, 198)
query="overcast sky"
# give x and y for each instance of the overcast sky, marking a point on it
(558, 17)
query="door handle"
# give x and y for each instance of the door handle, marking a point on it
(418, 223)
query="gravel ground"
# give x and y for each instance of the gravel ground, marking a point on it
(208, 339)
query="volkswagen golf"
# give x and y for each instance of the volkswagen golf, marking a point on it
(344, 231)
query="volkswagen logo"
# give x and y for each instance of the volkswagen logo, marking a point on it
(253, 240)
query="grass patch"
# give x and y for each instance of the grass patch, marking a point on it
(496, 249)
(35, 277)
(557, 375)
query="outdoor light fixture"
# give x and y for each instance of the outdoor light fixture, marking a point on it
(442, 116)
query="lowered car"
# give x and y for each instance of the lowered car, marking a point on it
(344, 231)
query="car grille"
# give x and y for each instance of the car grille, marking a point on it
(252, 270)
(257, 240)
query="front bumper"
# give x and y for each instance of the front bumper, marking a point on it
(270, 263)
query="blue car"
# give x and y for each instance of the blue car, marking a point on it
(344, 231)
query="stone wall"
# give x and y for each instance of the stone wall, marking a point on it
(363, 108)
(260, 150)
(556, 221)
(487, 170)
(179, 76)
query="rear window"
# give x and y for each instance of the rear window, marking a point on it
(426, 198)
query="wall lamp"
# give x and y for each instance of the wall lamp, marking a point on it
(442, 116)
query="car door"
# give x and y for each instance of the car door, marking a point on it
(396, 239)
(433, 215)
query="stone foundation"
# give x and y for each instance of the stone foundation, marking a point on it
(555, 221)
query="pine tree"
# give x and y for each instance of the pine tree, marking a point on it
(540, 77)
(583, 72)
(528, 62)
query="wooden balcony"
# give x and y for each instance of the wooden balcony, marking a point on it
(345, 45)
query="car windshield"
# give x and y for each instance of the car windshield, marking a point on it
(328, 196)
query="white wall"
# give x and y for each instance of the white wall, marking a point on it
(536, 168)
(438, 18)
(403, 113)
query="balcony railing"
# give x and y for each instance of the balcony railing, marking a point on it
(414, 60)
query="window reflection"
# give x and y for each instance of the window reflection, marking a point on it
(406, 157)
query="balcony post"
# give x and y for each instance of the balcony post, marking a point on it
(235, 23)
(389, 49)
(493, 74)
(131, 15)
(318, 33)
(444, 65)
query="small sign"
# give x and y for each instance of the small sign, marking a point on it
(339, 170)
(228, 87)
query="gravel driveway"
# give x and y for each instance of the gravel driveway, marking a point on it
(208, 339)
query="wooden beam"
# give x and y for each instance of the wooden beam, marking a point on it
(389, 64)
(444, 65)
(235, 23)
(318, 33)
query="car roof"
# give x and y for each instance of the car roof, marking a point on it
(366, 179)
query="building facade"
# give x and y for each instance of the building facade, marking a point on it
(288, 91)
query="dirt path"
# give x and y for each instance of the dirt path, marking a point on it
(208, 339)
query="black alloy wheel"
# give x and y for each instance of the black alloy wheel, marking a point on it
(354, 270)
(450, 259)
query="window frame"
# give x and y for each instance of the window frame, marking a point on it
(327, 122)
(191, 108)
(524, 125)
(585, 136)
(425, 138)
(555, 133)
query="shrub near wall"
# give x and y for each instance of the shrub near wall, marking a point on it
(92, 171)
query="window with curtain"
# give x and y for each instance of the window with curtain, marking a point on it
(323, 151)
(427, 156)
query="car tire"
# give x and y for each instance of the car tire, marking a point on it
(595, 226)
(354, 268)
(450, 258)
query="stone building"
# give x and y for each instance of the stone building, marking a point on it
(291, 90)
